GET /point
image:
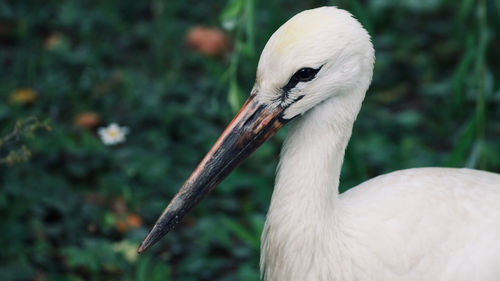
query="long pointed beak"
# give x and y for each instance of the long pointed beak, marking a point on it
(251, 127)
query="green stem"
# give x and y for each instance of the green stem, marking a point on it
(481, 73)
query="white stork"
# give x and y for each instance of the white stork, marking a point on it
(425, 224)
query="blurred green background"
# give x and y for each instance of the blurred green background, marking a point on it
(174, 73)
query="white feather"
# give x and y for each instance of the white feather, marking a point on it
(417, 224)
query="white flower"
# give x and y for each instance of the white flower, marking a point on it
(112, 134)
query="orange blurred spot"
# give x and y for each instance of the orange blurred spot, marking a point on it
(121, 225)
(87, 120)
(23, 96)
(209, 41)
(134, 221)
(53, 41)
(130, 221)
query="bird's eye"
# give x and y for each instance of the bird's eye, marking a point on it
(305, 74)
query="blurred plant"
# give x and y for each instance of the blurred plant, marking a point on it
(23, 96)
(470, 148)
(238, 17)
(127, 248)
(17, 151)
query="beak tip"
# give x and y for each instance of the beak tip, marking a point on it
(157, 232)
(144, 245)
(141, 248)
(149, 240)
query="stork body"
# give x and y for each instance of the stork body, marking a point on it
(432, 224)
(410, 225)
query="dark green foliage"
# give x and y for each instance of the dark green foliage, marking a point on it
(73, 209)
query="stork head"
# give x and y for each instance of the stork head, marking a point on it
(314, 56)
(318, 54)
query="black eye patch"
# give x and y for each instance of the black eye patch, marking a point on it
(304, 74)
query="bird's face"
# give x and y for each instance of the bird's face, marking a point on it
(317, 55)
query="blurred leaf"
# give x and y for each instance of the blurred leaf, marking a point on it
(235, 95)
(459, 154)
(230, 14)
(242, 233)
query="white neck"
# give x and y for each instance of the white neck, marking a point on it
(302, 210)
